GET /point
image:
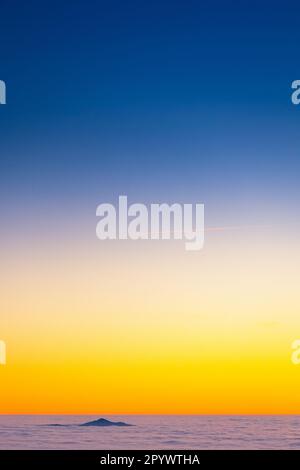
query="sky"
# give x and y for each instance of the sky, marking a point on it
(163, 102)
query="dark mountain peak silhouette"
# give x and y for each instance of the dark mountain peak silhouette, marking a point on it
(104, 422)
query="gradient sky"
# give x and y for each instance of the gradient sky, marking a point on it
(164, 102)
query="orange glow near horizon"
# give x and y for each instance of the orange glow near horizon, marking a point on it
(146, 327)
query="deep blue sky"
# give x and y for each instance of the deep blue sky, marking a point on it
(175, 101)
